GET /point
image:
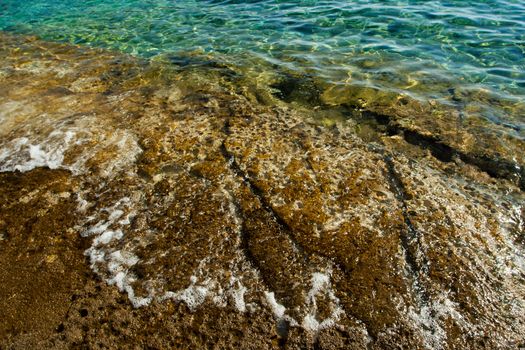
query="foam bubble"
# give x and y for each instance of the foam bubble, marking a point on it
(86, 138)
(319, 282)
(238, 297)
(321, 285)
(193, 296)
(24, 156)
(107, 237)
(277, 309)
(310, 323)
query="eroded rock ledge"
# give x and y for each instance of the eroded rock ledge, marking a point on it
(144, 204)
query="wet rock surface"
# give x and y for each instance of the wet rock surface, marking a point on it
(450, 131)
(149, 205)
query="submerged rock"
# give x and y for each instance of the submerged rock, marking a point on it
(448, 131)
(184, 215)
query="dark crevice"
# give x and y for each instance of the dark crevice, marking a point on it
(283, 326)
(303, 90)
(259, 194)
(245, 242)
(380, 119)
(316, 344)
(227, 131)
(439, 150)
(245, 235)
(283, 330)
(245, 246)
(495, 167)
(285, 228)
(60, 328)
(309, 166)
(410, 237)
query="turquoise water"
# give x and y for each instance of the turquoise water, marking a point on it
(463, 52)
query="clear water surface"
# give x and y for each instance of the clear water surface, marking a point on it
(474, 49)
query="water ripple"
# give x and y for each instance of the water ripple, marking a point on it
(422, 48)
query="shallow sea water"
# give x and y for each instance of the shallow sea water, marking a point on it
(465, 54)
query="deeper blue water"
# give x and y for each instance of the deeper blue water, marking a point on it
(425, 49)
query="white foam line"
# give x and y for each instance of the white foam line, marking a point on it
(320, 283)
(279, 310)
(434, 336)
(193, 296)
(37, 149)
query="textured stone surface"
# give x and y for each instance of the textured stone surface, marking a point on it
(449, 131)
(148, 205)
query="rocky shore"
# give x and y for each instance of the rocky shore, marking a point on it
(148, 205)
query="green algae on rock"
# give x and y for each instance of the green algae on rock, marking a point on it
(225, 221)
